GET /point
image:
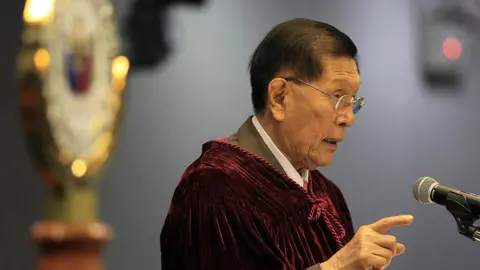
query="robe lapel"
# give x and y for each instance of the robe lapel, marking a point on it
(248, 138)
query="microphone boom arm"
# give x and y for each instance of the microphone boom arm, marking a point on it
(458, 206)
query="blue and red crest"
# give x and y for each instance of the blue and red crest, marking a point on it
(79, 68)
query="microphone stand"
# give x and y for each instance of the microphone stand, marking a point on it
(458, 206)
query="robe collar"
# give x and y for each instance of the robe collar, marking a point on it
(248, 138)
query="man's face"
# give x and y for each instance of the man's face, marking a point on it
(310, 126)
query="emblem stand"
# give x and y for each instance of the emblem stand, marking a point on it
(69, 247)
(71, 92)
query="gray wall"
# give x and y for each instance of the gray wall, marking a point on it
(202, 93)
(20, 187)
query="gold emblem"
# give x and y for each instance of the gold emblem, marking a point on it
(71, 88)
(72, 82)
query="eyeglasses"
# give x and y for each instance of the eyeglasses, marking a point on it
(343, 102)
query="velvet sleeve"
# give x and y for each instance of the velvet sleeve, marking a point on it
(210, 225)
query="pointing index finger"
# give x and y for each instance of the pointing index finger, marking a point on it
(385, 224)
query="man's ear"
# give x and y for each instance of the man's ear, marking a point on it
(277, 97)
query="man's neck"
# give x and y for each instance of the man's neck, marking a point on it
(272, 128)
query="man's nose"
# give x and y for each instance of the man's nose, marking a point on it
(345, 118)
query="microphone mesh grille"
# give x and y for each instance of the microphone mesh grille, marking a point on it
(423, 188)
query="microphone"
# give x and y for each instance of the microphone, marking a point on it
(464, 206)
(427, 190)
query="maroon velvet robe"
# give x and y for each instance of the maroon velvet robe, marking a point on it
(234, 209)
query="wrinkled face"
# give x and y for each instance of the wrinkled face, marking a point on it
(309, 127)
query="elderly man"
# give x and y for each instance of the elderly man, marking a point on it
(254, 200)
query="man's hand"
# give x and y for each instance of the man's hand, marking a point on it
(370, 247)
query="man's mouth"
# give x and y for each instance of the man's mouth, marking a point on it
(332, 141)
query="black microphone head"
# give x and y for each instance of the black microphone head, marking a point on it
(422, 190)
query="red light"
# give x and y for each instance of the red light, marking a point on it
(452, 48)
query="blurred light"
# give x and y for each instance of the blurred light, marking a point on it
(41, 59)
(118, 84)
(79, 168)
(103, 144)
(38, 11)
(452, 48)
(116, 103)
(120, 66)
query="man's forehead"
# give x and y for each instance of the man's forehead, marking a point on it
(349, 80)
(341, 69)
(343, 62)
(354, 79)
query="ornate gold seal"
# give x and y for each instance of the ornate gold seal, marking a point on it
(71, 86)
(72, 81)
(71, 91)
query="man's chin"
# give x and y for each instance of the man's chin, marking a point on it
(323, 161)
